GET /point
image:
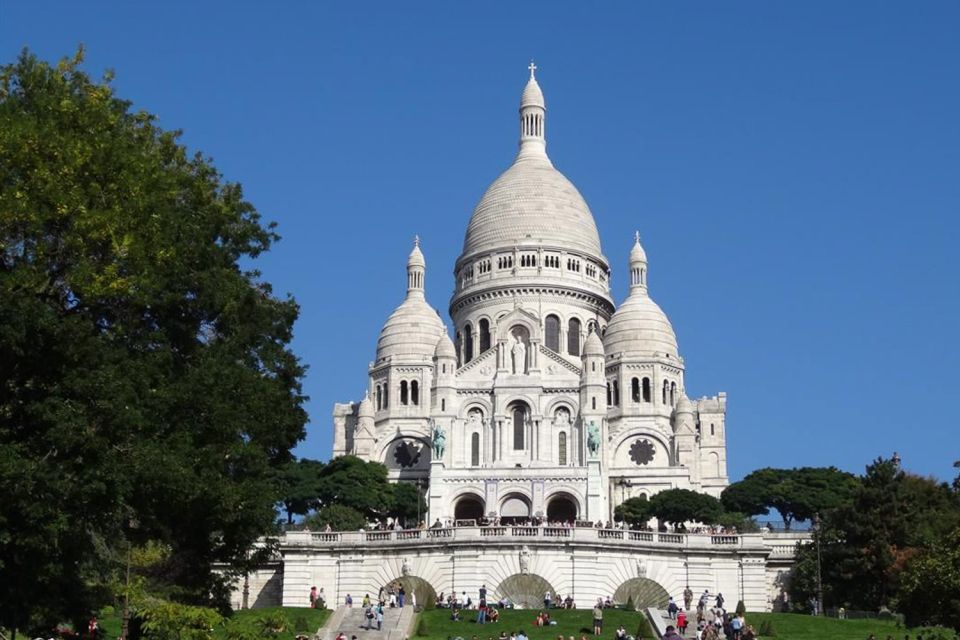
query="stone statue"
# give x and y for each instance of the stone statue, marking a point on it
(519, 354)
(524, 561)
(641, 569)
(475, 418)
(593, 439)
(439, 441)
(562, 419)
(405, 567)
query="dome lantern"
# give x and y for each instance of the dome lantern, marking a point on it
(533, 111)
(638, 265)
(416, 270)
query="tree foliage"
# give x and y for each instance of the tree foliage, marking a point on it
(351, 482)
(409, 505)
(146, 375)
(934, 571)
(894, 519)
(634, 511)
(338, 517)
(301, 486)
(678, 506)
(798, 494)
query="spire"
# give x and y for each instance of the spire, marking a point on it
(638, 266)
(533, 108)
(416, 270)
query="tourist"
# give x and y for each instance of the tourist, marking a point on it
(401, 594)
(313, 597)
(492, 615)
(366, 600)
(671, 633)
(379, 617)
(369, 614)
(481, 614)
(672, 609)
(736, 626)
(598, 618)
(682, 622)
(483, 593)
(348, 601)
(547, 599)
(687, 598)
(341, 636)
(621, 633)
(719, 600)
(521, 635)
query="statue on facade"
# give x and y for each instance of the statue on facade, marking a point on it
(562, 418)
(519, 355)
(405, 567)
(641, 569)
(524, 561)
(439, 441)
(593, 439)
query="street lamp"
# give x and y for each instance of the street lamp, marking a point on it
(817, 526)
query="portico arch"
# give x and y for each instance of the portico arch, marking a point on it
(562, 507)
(468, 507)
(423, 592)
(525, 590)
(515, 507)
(645, 593)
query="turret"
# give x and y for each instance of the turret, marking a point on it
(363, 436)
(593, 386)
(444, 376)
(685, 438)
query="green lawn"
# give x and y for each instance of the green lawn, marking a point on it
(569, 623)
(300, 620)
(792, 626)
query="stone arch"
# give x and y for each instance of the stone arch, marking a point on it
(475, 403)
(406, 452)
(469, 506)
(423, 591)
(561, 402)
(515, 506)
(525, 590)
(562, 507)
(645, 593)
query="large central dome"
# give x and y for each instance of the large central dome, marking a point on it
(532, 202)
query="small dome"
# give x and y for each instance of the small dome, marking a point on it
(532, 95)
(593, 346)
(640, 328)
(637, 254)
(416, 258)
(366, 407)
(411, 331)
(445, 348)
(684, 405)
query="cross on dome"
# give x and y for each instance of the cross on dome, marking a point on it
(532, 68)
(416, 240)
(636, 237)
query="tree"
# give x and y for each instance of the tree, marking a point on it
(409, 504)
(930, 583)
(797, 494)
(339, 517)
(634, 511)
(351, 482)
(678, 506)
(301, 486)
(147, 377)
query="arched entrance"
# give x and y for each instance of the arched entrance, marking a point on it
(645, 593)
(562, 507)
(468, 507)
(515, 509)
(525, 590)
(424, 595)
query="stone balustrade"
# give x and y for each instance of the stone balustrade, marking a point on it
(779, 548)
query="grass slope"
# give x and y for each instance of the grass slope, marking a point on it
(299, 620)
(792, 626)
(575, 623)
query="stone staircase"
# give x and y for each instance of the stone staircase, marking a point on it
(660, 619)
(351, 622)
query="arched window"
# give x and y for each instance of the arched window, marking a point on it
(646, 390)
(616, 393)
(379, 398)
(551, 330)
(484, 335)
(403, 392)
(443, 404)
(635, 390)
(459, 349)
(475, 450)
(415, 393)
(594, 403)
(518, 428)
(609, 394)
(666, 390)
(673, 393)
(562, 448)
(467, 344)
(573, 337)
(386, 396)
(711, 429)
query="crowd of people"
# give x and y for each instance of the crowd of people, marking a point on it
(396, 525)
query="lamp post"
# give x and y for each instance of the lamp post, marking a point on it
(816, 536)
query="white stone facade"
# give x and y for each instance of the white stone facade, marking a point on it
(539, 354)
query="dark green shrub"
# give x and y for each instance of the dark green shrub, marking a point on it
(423, 629)
(741, 609)
(630, 605)
(767, 630)
(300, 624)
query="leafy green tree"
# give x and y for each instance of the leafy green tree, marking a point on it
(930, 584)
(351, 482)
(797, 494)
(301, 486)
(172, 621)
(408, 503)
(339, 517)
(147, 375)
(634, 511)
(678, 506)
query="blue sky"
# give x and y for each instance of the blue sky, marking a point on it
(793, 168)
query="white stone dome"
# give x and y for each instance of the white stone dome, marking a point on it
(593, 346)
(445, 348)
(366, 407)
(640, 328)
(532, 202)
(411, 332)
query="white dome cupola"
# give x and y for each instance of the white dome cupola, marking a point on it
(533, 112)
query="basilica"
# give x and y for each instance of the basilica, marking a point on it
(546, 400)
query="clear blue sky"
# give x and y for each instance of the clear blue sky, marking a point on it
(794, 169)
